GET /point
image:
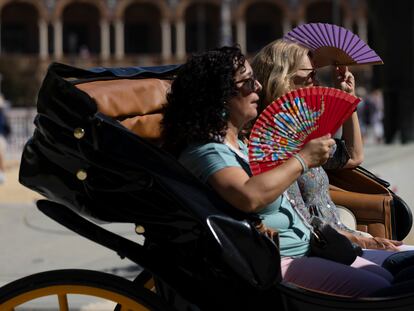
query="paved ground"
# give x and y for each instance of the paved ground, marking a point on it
(32, 243)
(394, 163)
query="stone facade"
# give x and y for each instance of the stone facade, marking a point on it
(90, 33)
(159, 31)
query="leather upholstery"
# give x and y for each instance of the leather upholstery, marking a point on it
(136, 103)
(372, 211)
(147, 126)
(354, 180)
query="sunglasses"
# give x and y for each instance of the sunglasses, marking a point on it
(309, 78)
(249, 85)
(312, 72)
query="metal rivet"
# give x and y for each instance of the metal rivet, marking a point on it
(79, 132)
(139, 229)
(81, 174)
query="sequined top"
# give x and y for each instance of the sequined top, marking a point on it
(310, 194)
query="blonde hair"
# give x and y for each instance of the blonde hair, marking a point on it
(274, 66)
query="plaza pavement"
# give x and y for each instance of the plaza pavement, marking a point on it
(30, 242)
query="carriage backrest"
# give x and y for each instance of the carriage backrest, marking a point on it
(136, 103)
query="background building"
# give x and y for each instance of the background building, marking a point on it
(145, 32)
(88, 33)
(159, 30)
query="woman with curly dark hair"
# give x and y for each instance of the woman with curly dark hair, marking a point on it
(213, 97)
(199, 114)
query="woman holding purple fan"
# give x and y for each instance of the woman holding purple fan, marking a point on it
(212, 99)
(283, 66)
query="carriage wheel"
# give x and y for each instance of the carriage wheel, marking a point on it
(62, 284)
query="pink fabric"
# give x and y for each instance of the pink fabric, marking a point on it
(406, 247)
(358, 280)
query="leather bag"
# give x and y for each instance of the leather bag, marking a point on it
(328, 243)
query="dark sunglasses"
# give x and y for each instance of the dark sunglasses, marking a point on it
(298, 80)
(248, 86)
(311, 74)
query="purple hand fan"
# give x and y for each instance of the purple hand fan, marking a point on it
(333, 45)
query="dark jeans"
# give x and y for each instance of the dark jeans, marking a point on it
(401, 265)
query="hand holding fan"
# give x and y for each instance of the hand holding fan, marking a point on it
(293, 119)
(333, 45)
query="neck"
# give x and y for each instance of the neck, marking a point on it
(232, 135)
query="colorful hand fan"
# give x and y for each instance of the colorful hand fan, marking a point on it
(333, 45)
(293, 119)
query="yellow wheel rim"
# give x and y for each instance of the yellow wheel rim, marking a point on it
(61, 291)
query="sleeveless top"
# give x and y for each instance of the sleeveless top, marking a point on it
(310, 194)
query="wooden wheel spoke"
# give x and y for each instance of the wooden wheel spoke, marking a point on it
(63, 302)
(94, 286)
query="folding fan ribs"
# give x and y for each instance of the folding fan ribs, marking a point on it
(333, 45)
(293, 119)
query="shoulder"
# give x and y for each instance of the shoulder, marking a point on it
(212, 146)
(200, 151)
(206, 159)
(208, 153)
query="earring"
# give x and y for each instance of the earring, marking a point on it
(224, 111)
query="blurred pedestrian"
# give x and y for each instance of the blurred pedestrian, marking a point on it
(376, 99)
(371, 112)
(4, 134)
(364, 119)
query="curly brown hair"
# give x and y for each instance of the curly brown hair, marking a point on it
(197, 102)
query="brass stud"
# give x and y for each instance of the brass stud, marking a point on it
(81, 175)
(139, 229)
(79, 132)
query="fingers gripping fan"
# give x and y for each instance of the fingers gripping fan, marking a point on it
(293, 119)
(333, 45)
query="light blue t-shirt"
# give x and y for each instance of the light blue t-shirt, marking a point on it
(206, 159)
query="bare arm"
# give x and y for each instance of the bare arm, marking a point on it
(251, 194)
(353, 141)
(351, 130)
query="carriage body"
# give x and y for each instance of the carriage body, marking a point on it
(95, 154)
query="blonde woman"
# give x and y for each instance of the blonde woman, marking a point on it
(212, 98)
(283, 66)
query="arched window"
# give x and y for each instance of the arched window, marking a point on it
(322, 12)
(263, 25)
(202, 30)
(19, 28)
(81, 30)
(142, 29)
